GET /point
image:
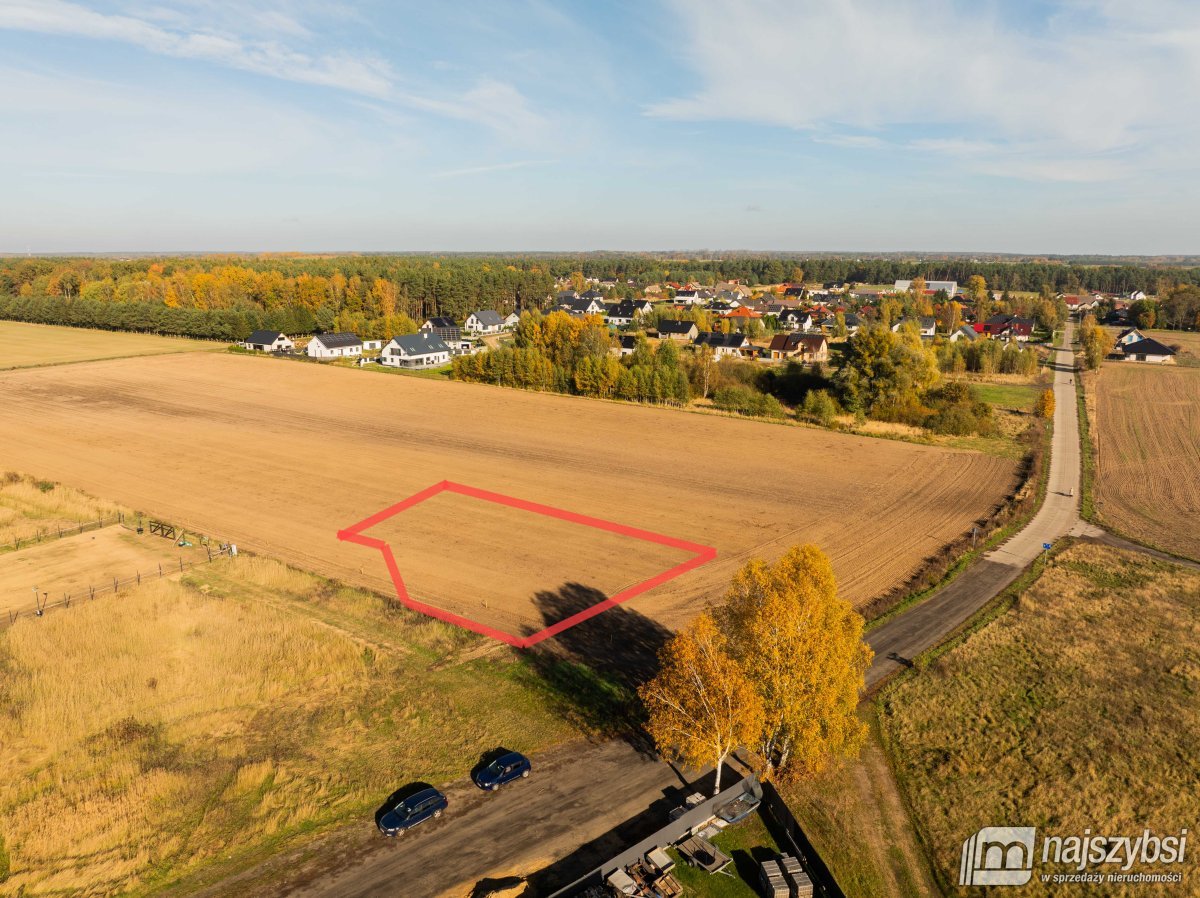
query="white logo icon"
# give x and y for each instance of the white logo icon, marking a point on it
(998, 856)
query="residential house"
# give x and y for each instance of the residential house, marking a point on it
(334, 346)
(1008, 327)
(796, 290)
(965, 332)
(740, 314)
(269, 341)
(926, 324)
(511, 320)
(446, 329)
(795, 319)
(805, 347)
(1147, 350)
(486, 321)
(621, 314)
(853, 323)
(1136, 296)
(420, 350)
(372, 345)
(584, 306)
(1079, 303)
(723, 345)
(685, 331)
(1130, 335)
(565, 297)
(626, 344)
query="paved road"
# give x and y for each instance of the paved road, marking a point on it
(907, 635)
(577, 794)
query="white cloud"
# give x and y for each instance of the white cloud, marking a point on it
(488, 169)
(1096, 78)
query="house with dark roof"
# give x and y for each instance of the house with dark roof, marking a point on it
(1146, 350)
(584, 305)
(423, 349)
(965, 332)
(621, 314)
(1130, 335)
(685, 331)
(795, 319)
(486, 321)
(805, 347)
(853, 323)
(445, 329)
(626, 344)
(334, 346)
(1009, 327)
(926, 325)
(732, 345)
(269, 341)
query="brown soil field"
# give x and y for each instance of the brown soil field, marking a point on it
(1147, 430)
(278, 457)
(68, 566)
(45, 344)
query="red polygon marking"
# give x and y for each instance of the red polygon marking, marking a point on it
(354, 534)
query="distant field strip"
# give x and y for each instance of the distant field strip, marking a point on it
(1148, 466)
(277, 457)
(27, 345)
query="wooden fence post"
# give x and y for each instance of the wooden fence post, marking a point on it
(139, 578)
(114, 585)
(160, 569)
(181, 564)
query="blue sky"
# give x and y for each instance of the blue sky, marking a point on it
(1012, 125)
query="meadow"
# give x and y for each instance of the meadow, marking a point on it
(237, 711)
(32, 510)
(1074, 710)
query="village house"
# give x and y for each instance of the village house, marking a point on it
(1146, 350)
(445, 329)
(931, 287)
(726, 345)
(926, 325)
(420, 350)
(1078, 304)
(795, 319)
(626, 344)
(334, 346)
(269, 341)
(486, 321)
(1008, 327)
(805, 347)
(965, 332)
(621, 314)
(685, 331)
(511, 320)
(853, 323)
(583, 306)
(372, 345)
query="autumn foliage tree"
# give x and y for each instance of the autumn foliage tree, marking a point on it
(1045, 405)
(1096, 341)
(701, 706)
(778, 667)
(801, 646)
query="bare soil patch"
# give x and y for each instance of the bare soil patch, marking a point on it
(278, 457)
(1147, 429)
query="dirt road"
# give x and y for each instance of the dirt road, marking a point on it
(907, 635)
(576, 794)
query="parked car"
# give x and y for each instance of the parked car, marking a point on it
(408, 812)
(504, 769)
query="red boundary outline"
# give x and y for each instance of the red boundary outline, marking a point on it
(354, 534)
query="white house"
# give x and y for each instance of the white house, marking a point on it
(965, 332)
(419, 350)
(1147, 350)
(584, 306)
(372, 346)
(269, 341)
(334, 346)
(1131, 335)
(512, 320)
(951, 287)
(723, 345)
(484, 322)
(1136, 296)
(927, 325)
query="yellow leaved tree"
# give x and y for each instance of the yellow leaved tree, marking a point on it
(801, 646)
(700, 706)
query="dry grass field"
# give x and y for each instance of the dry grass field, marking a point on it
(32, 509)
(1187, 341)
(68, 566)
(1075, 710)
(238, 710)
(278, 457)
(28, 345)
(1146, 424)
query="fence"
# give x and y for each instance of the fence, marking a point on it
(58, 532)
(45, 602)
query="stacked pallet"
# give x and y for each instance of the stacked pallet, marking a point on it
(801, 886)
(774, 883)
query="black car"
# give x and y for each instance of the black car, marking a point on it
(408, 812)
(504, 769)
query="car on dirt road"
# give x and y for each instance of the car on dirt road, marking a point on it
(408, 812)
(504, 769)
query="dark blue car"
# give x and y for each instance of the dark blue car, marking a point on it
(408, 812)
(504, 769)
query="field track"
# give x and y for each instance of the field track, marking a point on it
(278, 456)
(1148, 465)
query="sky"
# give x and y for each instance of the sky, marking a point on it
(1020, 126)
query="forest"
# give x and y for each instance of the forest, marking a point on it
(226, 297)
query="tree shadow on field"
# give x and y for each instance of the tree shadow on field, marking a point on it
(593, 669)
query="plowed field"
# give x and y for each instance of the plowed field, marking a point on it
(1147, 428)
(278, 456)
